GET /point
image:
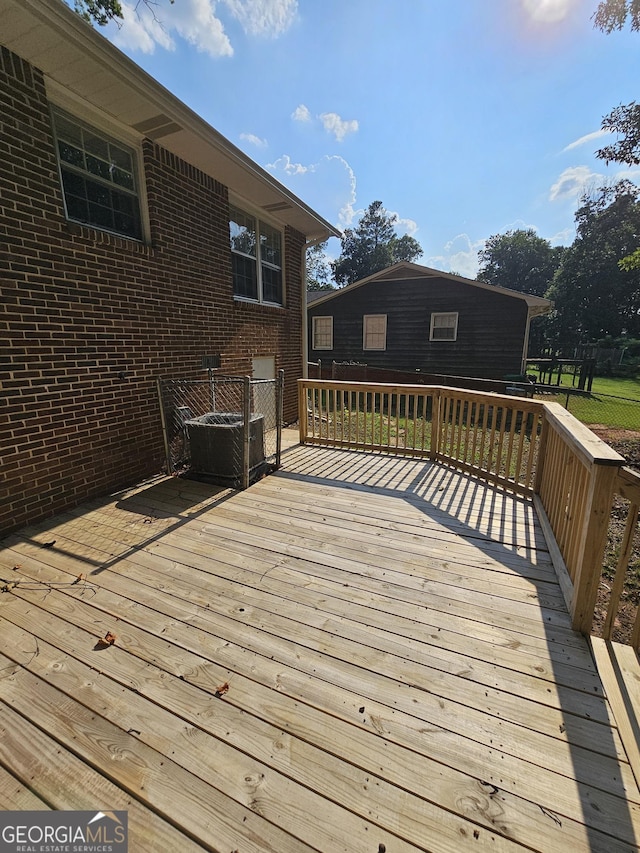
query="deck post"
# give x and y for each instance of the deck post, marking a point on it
(246, 448)
(302, 410)
(279, 415)
(597, 508)
(163, 421)
(436, 418)
(542, 452)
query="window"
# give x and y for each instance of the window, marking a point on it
(256, 257)
(322, 333)
(444, 327)
(374, 331)
(98, 178)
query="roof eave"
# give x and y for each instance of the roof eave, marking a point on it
(26, 25)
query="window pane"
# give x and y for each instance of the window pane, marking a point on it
(71, 154)
(122, 178)
(322, 333)
(99, 215)
(97, 165)
(444, 327)
(120, 158)
(98, 193)
(77, 208)
(67, 130)
(73, 183)
(270, 251)
(375, 331)
(123, 203)
(125, 224)
(242, 229)
(271, 285)
(95, 145)
(245, 280)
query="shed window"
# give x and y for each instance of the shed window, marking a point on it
(374, 332)
(256, 257)
(322, 333)
(98, 178)
(444, 327)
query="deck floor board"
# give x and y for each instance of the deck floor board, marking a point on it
(357, 653)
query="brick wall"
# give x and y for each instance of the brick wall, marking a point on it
(89, 320)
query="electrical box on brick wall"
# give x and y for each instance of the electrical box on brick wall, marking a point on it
(210, 362)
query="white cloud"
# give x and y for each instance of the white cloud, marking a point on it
(301, 113)
(284, 164)
(322, 184)
(198, 22)
(143, 28)
(338, 126)
(548, 11)
(254, 140)
(268, 18)
(573, 182)
(589, 137)
(632, 173)
(563, 238)
(460, 256)
(347, 213)
(404, 225)
(139, 30)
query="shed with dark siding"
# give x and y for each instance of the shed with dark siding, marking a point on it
(409, 317)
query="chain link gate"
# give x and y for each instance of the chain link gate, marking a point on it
(223, 429)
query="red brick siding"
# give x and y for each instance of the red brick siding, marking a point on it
(88, 320)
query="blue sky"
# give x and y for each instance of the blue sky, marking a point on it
(464, 118)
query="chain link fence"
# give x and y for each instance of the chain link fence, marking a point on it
(224, 429)
(595, 409)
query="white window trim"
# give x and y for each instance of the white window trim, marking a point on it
(103, 125)
(455, 327)
(313, 333)
(365, 318)
(250, 211)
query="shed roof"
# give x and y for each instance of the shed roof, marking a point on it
(403, 270)
(77, 59)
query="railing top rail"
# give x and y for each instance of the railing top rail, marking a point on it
(342, 384)
(590, 447)
(403, 388)
(587, 446)
(628, 485)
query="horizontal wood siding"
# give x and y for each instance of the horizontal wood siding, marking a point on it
(491, 327)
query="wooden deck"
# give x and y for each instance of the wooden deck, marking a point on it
(360, 653)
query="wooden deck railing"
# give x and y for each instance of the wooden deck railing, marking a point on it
(574, 492)
(527, 446)
(491, 435)
(627, 487)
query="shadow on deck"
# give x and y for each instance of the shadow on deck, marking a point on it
(359, 653)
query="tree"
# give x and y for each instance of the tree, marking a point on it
(613, 14)
(318, 268)
(372, 246)
(99, 11)
(624, 119)
(102, 11)
(593, 296)
(519, 260)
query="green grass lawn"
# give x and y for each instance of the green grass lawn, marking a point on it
(614, 402)
(612, 385)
